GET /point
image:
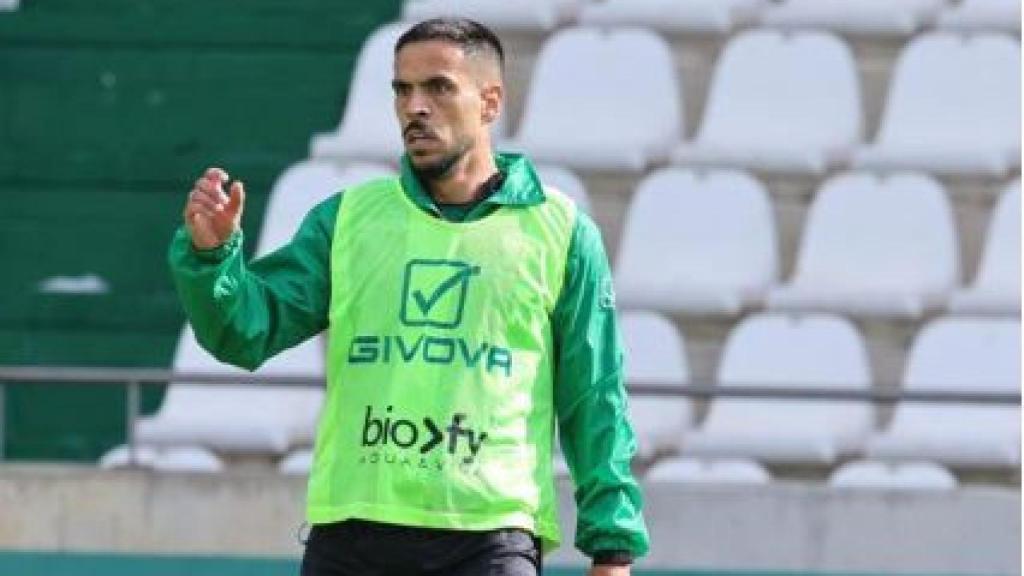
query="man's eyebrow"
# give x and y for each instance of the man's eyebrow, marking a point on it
(437, 78)
(396, 83)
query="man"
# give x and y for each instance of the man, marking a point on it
(467, 310)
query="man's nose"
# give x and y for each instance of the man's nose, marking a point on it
(417, 105)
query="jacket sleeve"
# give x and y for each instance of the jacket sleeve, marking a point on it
(245, 313)
(590, 402)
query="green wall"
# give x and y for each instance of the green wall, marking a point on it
(108, 110)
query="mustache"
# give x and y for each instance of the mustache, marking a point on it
(420, 126)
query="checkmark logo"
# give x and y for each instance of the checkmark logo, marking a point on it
(434, 292)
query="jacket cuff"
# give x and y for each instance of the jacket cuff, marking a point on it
(613, 558)
(221, 252)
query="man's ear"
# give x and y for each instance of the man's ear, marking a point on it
(493, 101)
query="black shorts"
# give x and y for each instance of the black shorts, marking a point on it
(363, 548)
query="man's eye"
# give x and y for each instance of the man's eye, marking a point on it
(439, 87)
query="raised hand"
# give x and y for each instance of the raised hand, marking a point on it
(211, 215)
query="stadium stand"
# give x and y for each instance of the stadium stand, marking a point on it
(699, 243)
(720, 16)
(713, 472)
(705, 246)
(996, 286)
(592, 133)
(871, 17)
(875, 246)
(772, 350)
(921, 98)
(965, 354)
(953, 108)
(893, 475)
(780, 102)
(657, 357)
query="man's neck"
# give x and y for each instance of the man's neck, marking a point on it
(465, 180)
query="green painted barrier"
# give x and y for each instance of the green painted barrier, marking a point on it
(19, 563)
(108, 111)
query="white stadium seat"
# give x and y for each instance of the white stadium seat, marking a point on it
(369, 129)
(656, 355)
(121, 457)
(574, 112)
(981, 15)
(777, 351)
(671, 15)
(301, 187)
(713, 472)
(297, 463)
(188, 459)
(781, 103)
(254, 419)
(526, 15)
(871, 17)
(566, 182)
(697, 243)
(172, 459)
(875, 246)
(958, 354)
(893, 476)
(953, 108)
(996, 287)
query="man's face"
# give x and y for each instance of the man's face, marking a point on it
(444, 101)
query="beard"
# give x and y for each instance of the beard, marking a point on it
(440, 168)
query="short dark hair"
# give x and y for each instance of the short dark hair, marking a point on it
(472, 37)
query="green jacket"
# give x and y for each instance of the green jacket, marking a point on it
(244, 313)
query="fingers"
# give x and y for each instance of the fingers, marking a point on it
(237, 198)
(208, 190)
(211, 185)
(196, 213)
(197, 219)
(216, 174)
(213, 202)
(207, 201)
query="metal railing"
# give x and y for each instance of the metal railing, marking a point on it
(134, 378)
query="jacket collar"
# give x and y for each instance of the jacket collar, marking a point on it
(520, 187)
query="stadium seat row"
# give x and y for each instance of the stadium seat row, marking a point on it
(952, 354)
(778, 102)
(873, 246)
(875, 17)
(719, 231)
(705, 243)
(874, 474)
(827, 352)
